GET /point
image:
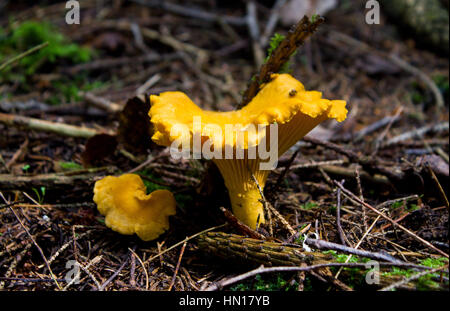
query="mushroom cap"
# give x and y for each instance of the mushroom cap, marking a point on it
(128, 209)
(278, 101)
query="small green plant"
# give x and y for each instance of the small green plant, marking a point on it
(26, 167)
(40, 194)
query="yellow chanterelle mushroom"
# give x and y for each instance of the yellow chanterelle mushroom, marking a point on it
(128, 209)
(283, 102)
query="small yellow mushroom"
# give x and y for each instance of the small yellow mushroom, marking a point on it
(282, 101)
(128, 209)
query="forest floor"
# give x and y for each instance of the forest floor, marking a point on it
(391, 152)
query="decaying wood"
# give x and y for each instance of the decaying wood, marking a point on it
(267, 253)
(258, 251)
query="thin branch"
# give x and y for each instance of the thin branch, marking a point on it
(48, 126)
(143, 268)
(320, 244)
(22, 55)
(172, 282)
(338, 216)
(115, 274)
(232, 220)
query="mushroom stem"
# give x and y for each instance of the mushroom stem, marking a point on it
(245, 197)
(247, 206)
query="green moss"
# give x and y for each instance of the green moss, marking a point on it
(275, 41)
(395, 271)
(341, 258)
(30, 34)
(353, 277)
(58, 51)
(68, 90)
(434, 262)
(425, 282)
